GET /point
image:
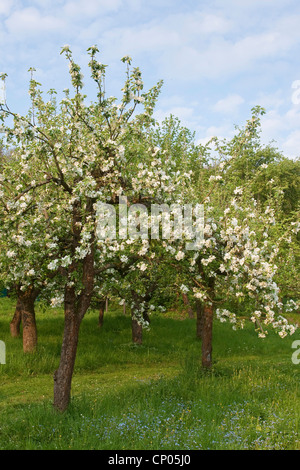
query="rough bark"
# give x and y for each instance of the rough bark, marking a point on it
(75, 307)
(207, 336)
(63, 375)
(101, 312)
(205, 313)
(27, 299)
(137, 331)
(16, 321)
(199, 320)
(187, 304)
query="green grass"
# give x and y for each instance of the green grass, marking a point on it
(153, 396)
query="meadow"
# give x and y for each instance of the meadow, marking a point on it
(154, 396)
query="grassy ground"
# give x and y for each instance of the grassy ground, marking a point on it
(154, 396)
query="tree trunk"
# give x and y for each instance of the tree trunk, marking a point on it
(75, 309)
(63, 375)
(137, 331)
(16, 321)
(199, 320)
(187, 304)
(75, 306)
(207, 336)
(27, 299)
(101, 312)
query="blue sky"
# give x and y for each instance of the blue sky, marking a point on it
(218, 58)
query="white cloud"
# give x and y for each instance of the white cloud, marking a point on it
(47, 3)
(6, 6)
(197, 23)
(229, 105)
(184, 113)
(279, 121)
(291, 145)
(227, 51)
(134, 41)
(270, 101)
(90, 8)
(282, 126)
(165, 37)
(31, 22)
(222, 57)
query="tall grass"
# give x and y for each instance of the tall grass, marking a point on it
(153, 396)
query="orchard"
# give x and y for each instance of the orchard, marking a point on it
(236, 260)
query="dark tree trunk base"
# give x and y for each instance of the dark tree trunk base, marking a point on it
(15, 324)
(75, 307)
(137, 332)
(101, 313)
(207, 336)
(63, 375)
(187, 304)
(199, 320)
(27, 299)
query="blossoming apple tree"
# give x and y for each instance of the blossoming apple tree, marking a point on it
(29, 238)
(81, 154)
(235, 263)
(73, 157)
